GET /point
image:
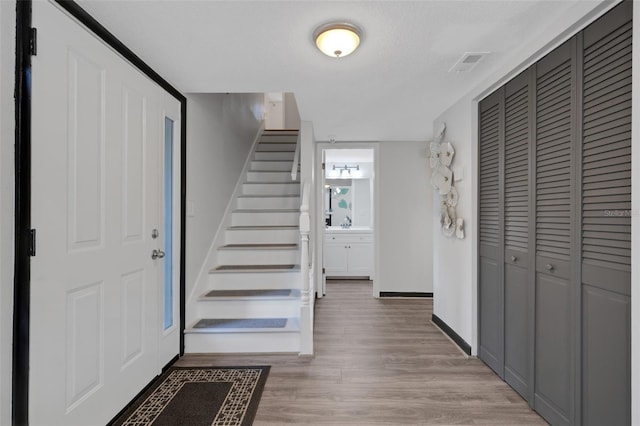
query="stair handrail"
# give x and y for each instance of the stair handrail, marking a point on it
(306, 310)
(296, 159)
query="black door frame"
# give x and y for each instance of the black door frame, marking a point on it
(25, 47)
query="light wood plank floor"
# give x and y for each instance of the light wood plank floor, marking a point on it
(378, 361)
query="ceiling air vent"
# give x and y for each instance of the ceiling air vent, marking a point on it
(468, 61)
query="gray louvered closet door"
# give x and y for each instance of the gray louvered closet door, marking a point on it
(606, 220)
(555, 312)
(490, 292)
(517, 157)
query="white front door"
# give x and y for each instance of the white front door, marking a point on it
(96, 326)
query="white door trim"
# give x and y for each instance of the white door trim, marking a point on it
(320, 147)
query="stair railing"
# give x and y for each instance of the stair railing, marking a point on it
(305, 157)
(306, 307)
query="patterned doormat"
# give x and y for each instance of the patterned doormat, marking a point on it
(199, 396)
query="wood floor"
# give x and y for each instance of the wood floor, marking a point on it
(378, 361)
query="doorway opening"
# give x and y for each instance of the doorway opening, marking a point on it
(348, 231)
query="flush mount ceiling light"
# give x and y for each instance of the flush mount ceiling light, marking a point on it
(337, 39)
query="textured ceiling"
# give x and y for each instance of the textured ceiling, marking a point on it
(391, 88)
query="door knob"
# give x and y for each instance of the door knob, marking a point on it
(157, 254)
(549, 267)
(514, 259)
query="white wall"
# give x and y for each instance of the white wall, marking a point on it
(291, 114)
(362, 205)
(454, 284)
(7, 52)
(220, 131)
(455, 262)
(404, 201)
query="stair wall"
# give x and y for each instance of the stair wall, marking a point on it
(203, 275)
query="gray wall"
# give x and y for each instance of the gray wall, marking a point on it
(7, 49)
(404, 228)
(220, 131)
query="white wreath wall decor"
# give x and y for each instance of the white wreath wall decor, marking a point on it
(440, 158)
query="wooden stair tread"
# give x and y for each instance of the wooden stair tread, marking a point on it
(244, 294)
(266, 210)
(269, 196)
(244, 325)
(274, 183)
(261, 246)
(273, 151)
(249, 268)
(263, 227)
(277, 141)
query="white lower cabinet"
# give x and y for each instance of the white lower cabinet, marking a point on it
(348, 254)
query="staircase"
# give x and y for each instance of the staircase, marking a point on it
(251, 302)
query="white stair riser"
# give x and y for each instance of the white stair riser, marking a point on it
(254, 280)
(287, 308)
(271, 189)
(269, 176)
(269, 155)
(290, 138)
(274, 146)
(242, 342)
(268, 202)
(262, 236)
(282, 166)
(258, 257)
(264, 218)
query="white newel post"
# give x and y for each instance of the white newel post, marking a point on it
(306, 309)
(305, 153)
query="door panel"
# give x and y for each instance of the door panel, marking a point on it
(134, 115)
(517, 204)
(553, 360)
(96, 185)
(516, 328)
(555, 298)
(490, 218)
(606, 357)
(606, 220)
(335, 259)
(491, 315)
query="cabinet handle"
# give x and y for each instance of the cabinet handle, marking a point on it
(549, 267)
(514, 259)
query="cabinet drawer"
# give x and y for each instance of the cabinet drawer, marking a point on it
(351, 238)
